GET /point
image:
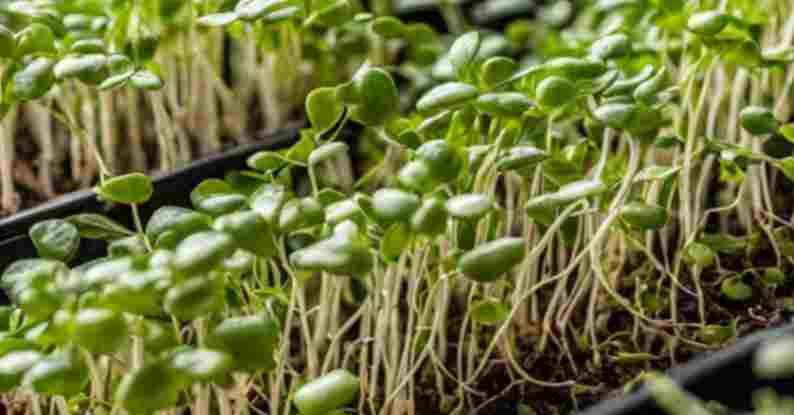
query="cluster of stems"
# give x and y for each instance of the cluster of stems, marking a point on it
(542, 212)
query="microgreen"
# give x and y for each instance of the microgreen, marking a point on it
(607, 189)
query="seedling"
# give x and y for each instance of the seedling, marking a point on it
(604, 195)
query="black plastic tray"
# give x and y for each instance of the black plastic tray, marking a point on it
(430, 14)
(170, 189)
(724, 376)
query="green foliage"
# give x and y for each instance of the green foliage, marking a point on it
(534, 180)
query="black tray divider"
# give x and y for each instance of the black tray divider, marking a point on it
(169, 189)
(724, 376)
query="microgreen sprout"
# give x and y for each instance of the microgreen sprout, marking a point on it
(593, 196)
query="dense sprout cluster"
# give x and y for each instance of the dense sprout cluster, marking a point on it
(108, 87)
(611, 197)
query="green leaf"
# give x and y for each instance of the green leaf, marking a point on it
(238, 264)
(330, 196)
(250, 231)
(786, 166)
(88, 46)
(327, 393)
(265, 161)
(552, 14)
(787, 131)
(60, 373)
(120, 64)
(301, 150)
(33, 80)
(655, 172)
(463, 52)
(55, 239)
(95, 226)
(394, 205)
(345, 209)
(416, 176)
(200, 364)
(430, 218)
(568, 193)
(497, 69)
(116, 81)
(133, 188)
(255, 9)
(100, 330)
(268, 201)
(708, 23)
(216, 197)
(699, 254)
(444, 160)
(73, 22)
(445, 96)
(626, 86)
(103, 271)
(333, 15)
(667, 141)
(202, 251)
(779, 55)
(554, 92)
(388, 27)
(574, 68)
(395, 241)
(136, 291)
(615, 115)
(489, 312)
(158, 336)
(323, 108)
(379, 99)
(341, 254)
(613, 46)
(89, 68)
(469, 206)
(521, 157)
(759, 120)
(36, 38)
(731, 172)
(129, 246)
(723, 243)
(13, 366)
(503, 104)
(149, 388)
(716, 334)
(217, 19)
(646, 92)
(146, 80)
(774, 276)
(26, 273)
(327, 151)
(300, 213)
(193, 298)
(40, 303)
(644, 216)
(243, 182)
(736, 289)
(410, 139)
(174, 223)
(250, 340)
(489, 261)
(8, 44)
(281, 15)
